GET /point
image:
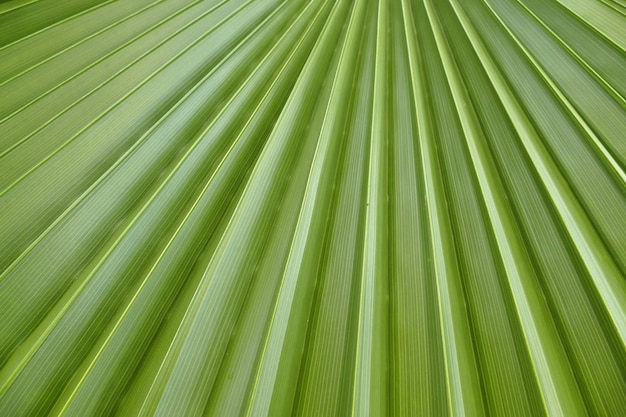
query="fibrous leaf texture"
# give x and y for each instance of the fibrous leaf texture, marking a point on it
(313, 208)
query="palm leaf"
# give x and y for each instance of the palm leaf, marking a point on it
(313, 207)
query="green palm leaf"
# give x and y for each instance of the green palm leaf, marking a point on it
(313, 208)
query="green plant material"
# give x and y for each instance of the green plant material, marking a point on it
(313, 208)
